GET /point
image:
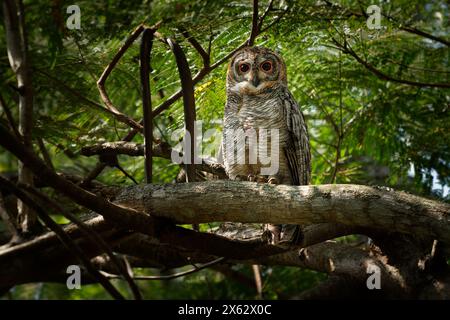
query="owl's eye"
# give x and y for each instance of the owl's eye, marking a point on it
(266, 66)
(244, 67)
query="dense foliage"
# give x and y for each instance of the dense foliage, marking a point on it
(364, 128)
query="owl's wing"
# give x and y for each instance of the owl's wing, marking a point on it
(297, 148)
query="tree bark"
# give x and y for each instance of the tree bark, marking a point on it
(18, 58)
(248, 202)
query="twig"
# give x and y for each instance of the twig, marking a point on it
(45, 153)
(65, 239)
(98, 106)
(146, 48)
(10, 118)
(258, 280)
(345, 48)
(126, 174)
(261, 20)
(197, 46)
(425, 34)
(255, 25)
(276, 20)
(336, 160)
(172, 276)
(406, 28)
(94, 173)
(9, 219)
(102, 80)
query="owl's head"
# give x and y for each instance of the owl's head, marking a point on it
(255, 70)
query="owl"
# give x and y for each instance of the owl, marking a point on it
(262, 118)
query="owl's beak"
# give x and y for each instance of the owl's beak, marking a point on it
(255, 80)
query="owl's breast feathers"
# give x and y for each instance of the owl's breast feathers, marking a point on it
(275, 110)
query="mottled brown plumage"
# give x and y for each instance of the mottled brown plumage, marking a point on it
(258, 98)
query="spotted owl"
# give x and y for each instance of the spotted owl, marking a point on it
(259, 101)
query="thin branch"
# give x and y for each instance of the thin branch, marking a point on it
(65, 239)
(258, 281)
(425, 34)
(126, 174)
(172, 276)
(345, 48)
(94, 173)
(102, 80)
(336, 160)
(187, 87)
(197, 46)
(45, 153)
(10, 117)
(261, 20)
(137, 126)
(91, 234)
(276, 20)
(146, 48)
(255, 25)
(407, 28)
(112, 212)
(9, 219)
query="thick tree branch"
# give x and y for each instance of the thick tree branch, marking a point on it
(353, 205)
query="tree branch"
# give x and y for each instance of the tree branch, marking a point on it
(255, 25)
(72, 246)
(381, 75)
(10, 117)
(146, 49)
(246, 202)
(102, 80)
(16, 40)
(162, 150)
(187, 88)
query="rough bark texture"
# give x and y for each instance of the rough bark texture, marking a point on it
(247, 202)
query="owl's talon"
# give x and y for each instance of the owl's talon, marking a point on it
(273, 180)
